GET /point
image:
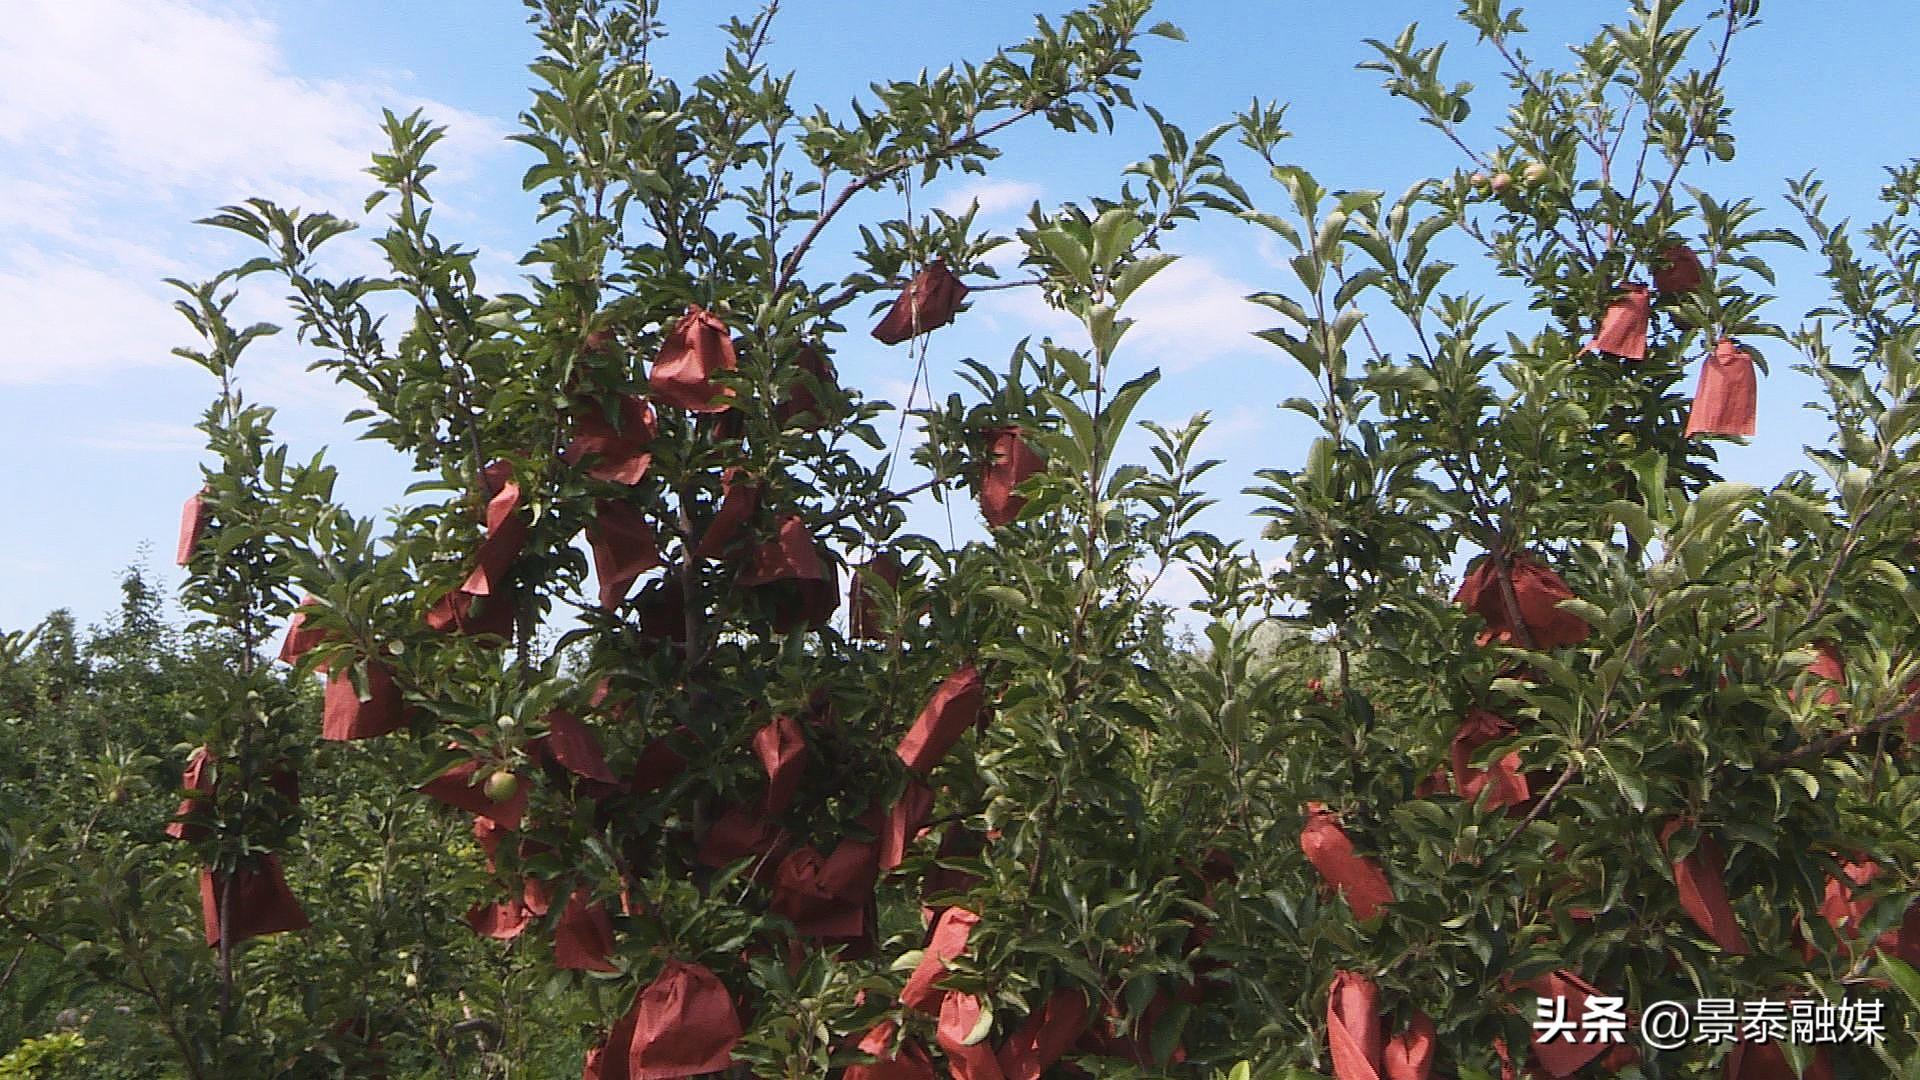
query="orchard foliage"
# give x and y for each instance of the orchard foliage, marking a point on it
(105, 953)
(1745, 682)
(1536, 702)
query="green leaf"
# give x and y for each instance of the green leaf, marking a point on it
(1632, 786)
(1634, 518)
(1076, 417)
(1139, 272)
(1721, 501)
(1593, 614)
(1650, 469)
(1114, 419)
(1365, 279)
(1006, 595)
(1320, 463)
(1807, 781)
(1903, 976)
(1167, 1032)
(1403, 377)
(1069, 252)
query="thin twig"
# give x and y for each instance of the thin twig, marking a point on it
(883, 500)
(873, 177)
(1695, 122)
(1820, 748)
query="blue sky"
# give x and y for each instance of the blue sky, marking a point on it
(126, 119)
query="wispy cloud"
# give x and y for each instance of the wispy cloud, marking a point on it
(128, 118)
(1229, 430)
(310, 404)
(145, 437)
(896, 391)
(172, 94)
(1177, 588)
(40, 209)
(995, 197)
(66, 318)
(1192, 312)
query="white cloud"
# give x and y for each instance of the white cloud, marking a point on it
(1271, 251)
(67, 319)
(1192, 312)
(30, 206)
(994, 196)
(1016, 313)
(25, 569)
(1006, 258)
(128, 118)
(170, 94)
(903, 395)
(494, 272)
(1228, 430)
(1177, 588)
(309, 404)
(145, 436)
(896, 391)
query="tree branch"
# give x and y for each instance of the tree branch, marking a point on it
(790, 264)
(1827, 745)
